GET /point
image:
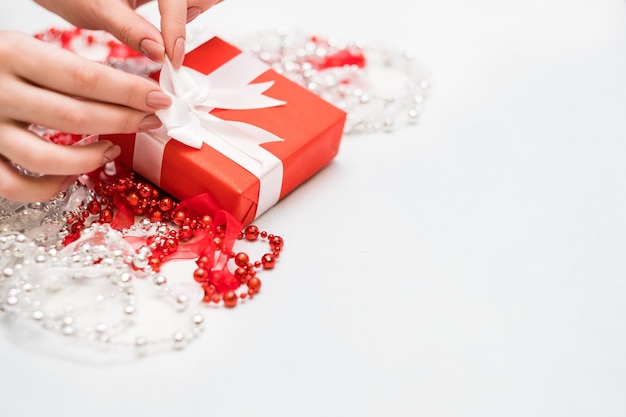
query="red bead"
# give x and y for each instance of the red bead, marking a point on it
(254, 284)
(203, 261)
(242, 259)
(241, 273)
(77, 227)
(179, 217)
(156, 215)
(251, 232)
(230, 299)
(94, 207)
(218, 242)
(185, 232)
(165, 204)
(106, 215)
(200, 275)
(155, 264)
(276, 242)
(171, 244)
(144, 190)
(206, 221)
(268, 260)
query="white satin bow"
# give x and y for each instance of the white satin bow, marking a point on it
(194, 96)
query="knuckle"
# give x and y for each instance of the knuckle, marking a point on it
(135, 94)
(37, 161)
(73, 117)
(86, 78)
(129, 123)
(125, 33)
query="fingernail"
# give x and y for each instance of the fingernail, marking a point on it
(150, 122)
(111, 153)
(158, 100)
(192, 13)
(178, 54)
(152, 50)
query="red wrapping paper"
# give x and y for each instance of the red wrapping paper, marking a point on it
(311, 128)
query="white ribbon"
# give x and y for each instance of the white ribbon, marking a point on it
(188, 120)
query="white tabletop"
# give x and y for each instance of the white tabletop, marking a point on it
(472, 265)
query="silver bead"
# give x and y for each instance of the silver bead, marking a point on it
(197, 319)
(160, 280)
(145, 224)
(179, 340)
(125, 278)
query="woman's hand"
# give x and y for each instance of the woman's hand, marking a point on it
(119, 18)
(45, 85)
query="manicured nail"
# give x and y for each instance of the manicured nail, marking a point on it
(152, 50)
(150, 122)
(192, 13)
(111, 153)
(158, 100)
(178, 54)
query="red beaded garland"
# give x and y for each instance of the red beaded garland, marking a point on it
(144, 199)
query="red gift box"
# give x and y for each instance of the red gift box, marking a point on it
(310, 127)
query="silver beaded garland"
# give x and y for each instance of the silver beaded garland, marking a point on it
(386, 93)
(34, 279)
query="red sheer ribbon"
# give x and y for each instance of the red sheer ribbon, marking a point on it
(203, 242)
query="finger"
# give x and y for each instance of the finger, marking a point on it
(196, 7)
(23, 188)
(132, 29)
(173, 25)
(31, 104)
(35, 154)
(71, 74)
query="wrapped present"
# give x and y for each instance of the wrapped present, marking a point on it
(237, 130)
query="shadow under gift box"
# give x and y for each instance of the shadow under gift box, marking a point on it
(310, 126)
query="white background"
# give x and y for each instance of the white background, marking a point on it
(472, 265)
